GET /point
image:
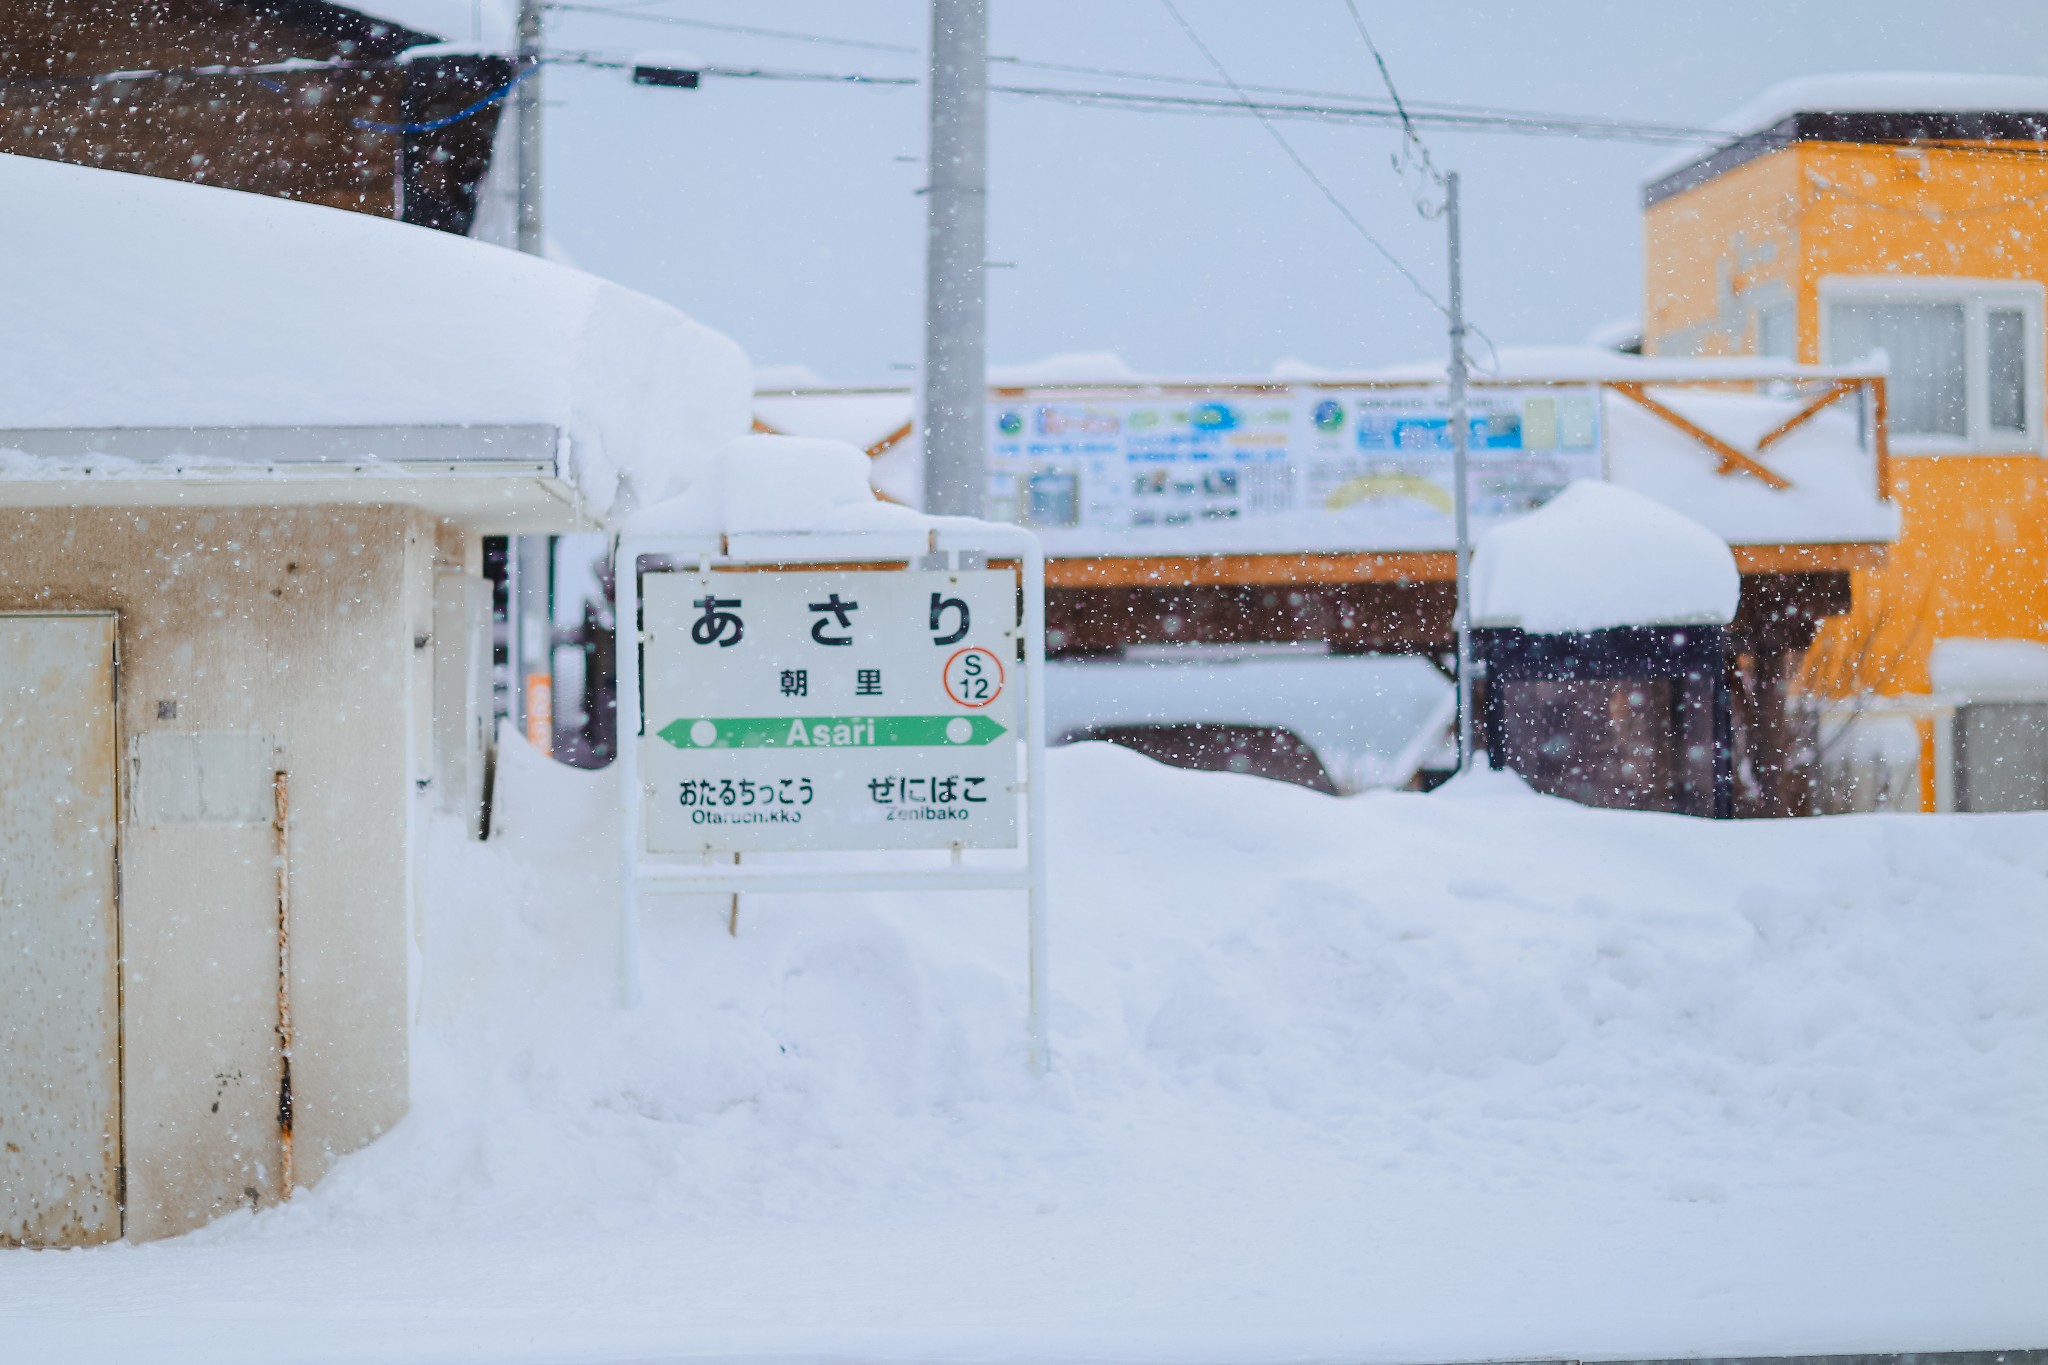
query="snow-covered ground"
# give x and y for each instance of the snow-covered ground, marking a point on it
(1392, 1077)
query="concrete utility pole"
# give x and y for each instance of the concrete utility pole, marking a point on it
(526, 109)
(1461, 493)
(956, 253)
(529, 623)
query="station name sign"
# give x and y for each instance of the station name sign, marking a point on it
(830, 709)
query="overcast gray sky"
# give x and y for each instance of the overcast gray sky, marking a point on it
(786, 214)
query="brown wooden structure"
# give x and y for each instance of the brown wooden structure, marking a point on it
(1402, 602)
(190, 108)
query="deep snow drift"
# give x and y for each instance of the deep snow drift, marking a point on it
(1390, 1077)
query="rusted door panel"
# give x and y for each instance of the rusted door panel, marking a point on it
(60, 1092)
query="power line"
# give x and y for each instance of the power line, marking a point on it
(1412, 113)
(604, 62)
(1304, 167)
(1419, 111)
(1563, 125)
(750, 30)
(1414, 139)
(445, 121)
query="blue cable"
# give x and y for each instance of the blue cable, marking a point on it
(435, 125)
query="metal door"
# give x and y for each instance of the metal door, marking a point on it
(60, 1060)
(202, 1005)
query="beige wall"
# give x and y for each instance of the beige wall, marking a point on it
(309, 626)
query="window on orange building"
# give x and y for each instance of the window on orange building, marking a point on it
(2005, 369)
(1924, 344)
(1964, 357)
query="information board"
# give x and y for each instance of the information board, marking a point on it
(830, 709)
(1125, 461)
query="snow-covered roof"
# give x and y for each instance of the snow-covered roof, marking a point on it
(1076, 367)
(1588, 362)
(1990, 670)
(1885, 92)
(161, 333)
(1597, 557)
(1873, 92)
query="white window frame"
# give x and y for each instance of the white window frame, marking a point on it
(1978, 297)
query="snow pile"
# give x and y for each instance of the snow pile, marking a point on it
(1393, 1077)
(1833, 497)
(238, 310)
(1361, 713)
(1990, 670)
(1597, 557)
(766, 484)
(1076, 367)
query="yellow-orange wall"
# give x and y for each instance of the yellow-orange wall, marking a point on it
(1972, 559)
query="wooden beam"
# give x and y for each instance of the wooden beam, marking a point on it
(1393, 566)
(1880, 437)
(889, 442)
(1182, 571)
(1731, 458)
(1838, 389)
(1808, 558)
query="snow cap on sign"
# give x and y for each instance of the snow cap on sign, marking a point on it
(1990, 670)
(1597, 557)
(768, 484)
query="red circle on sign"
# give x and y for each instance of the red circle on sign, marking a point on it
(994, 685)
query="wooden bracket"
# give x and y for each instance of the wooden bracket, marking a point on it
(889, 442)
(1732, 460)
(1841, 388)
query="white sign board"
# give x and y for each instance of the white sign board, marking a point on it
(1127, 462)
(830, 709)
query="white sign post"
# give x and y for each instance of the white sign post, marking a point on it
(813, 695)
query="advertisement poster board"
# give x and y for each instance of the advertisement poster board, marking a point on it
(1119, 462)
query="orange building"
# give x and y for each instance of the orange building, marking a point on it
(1908, 216)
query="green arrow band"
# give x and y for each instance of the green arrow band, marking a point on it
(828, 732)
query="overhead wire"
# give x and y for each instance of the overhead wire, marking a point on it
(1307, 170)
(1412, 114)
(1461, 326)
(1562, 125)
(1412, 138)
(750, 30)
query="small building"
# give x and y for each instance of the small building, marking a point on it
(1898, 215)
(247, 460)
(1602, 618)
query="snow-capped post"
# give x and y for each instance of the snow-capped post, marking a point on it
(808, 672)
(956, 252)
(1461, 492)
